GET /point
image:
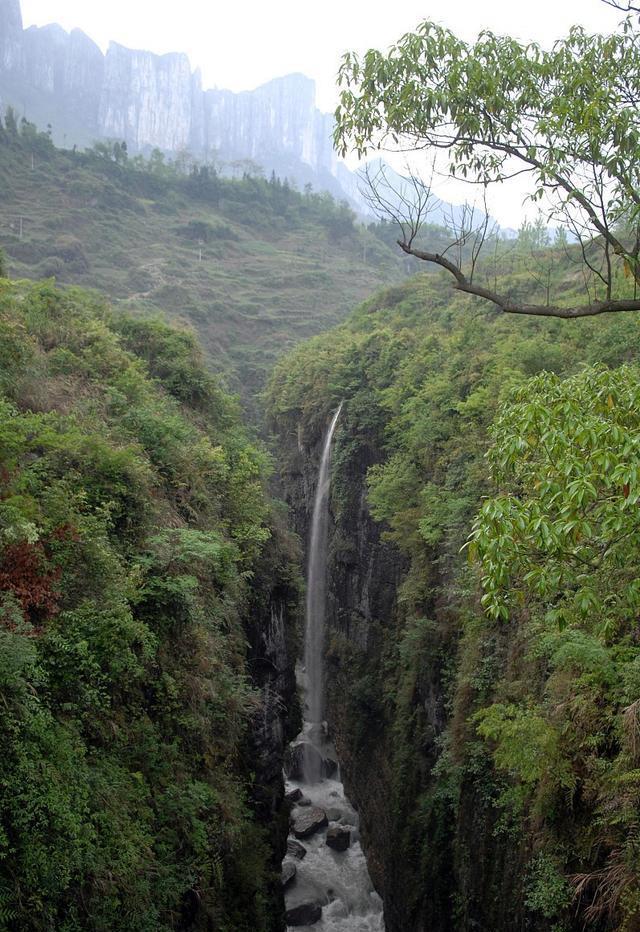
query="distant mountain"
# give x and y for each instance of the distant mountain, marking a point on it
(63, 79)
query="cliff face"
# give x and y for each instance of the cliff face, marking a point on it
(53, 77)
(271, 625)
(147, 99)
(277, 119)
(10, 34)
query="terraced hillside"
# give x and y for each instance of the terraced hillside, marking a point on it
(252, 264)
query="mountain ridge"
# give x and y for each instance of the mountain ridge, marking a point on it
(63, 79)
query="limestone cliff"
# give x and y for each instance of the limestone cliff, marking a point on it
(10, 35)
(53, 77)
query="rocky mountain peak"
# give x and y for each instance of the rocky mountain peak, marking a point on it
(157, 101)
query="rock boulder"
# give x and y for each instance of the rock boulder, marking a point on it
(296, 850)
(338, 838)
(309, 822)
(289, 871)
(306, 914)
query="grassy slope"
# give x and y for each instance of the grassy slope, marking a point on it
(269, 277)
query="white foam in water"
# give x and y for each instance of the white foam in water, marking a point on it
(338, 880)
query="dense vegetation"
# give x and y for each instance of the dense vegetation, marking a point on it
(484, 653)
(503, 688)
(133, 519)
(254, 265)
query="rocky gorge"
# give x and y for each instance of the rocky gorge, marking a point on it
(325, 876)
(461, 824)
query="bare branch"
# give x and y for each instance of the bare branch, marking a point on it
(505, 304)
(627, 7)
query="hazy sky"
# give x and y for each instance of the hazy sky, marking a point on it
(240, 44)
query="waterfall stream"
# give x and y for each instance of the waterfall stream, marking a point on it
(315, 612)
(327, 884)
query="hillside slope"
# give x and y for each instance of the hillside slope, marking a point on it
(147, 614)
(253, 265)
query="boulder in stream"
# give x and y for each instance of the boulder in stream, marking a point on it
(306, 914)
(293, 795)
(289, 871)
(338, 838)
(334, 815)
(309, 822)
(296, 850)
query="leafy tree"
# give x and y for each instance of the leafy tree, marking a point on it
(564, 528)
(567, 117)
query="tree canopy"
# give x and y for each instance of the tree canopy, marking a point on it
(567, 117)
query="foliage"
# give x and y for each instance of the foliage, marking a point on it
(567, 117)
(132, 514)
(547, 891)
(517, 720)
(565, 528)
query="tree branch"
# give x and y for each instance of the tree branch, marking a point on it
(464, 284)
(627, 7)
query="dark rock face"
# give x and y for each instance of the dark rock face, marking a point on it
(296, 850)
(309, 822)
(330, 767)
(271, 633)
(306, 914)
(293, 796)
(338, 838)
(295, 758)
(294, 763)
(364, 576)
(289, 871)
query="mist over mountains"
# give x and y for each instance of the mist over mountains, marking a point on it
(156, 101)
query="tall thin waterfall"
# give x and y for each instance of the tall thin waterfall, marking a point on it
(325, 875)
(316, 606)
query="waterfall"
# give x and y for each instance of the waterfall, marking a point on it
(325, 875)
(316, 608)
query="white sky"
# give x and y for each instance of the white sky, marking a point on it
(240, 44)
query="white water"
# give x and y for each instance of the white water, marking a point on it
(339, 881)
